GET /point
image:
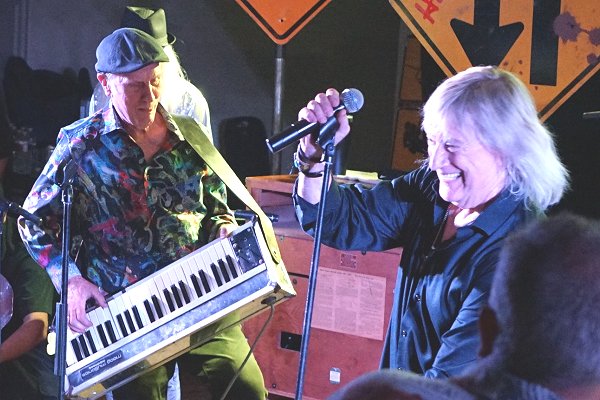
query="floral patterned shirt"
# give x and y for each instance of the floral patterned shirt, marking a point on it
(129, 217)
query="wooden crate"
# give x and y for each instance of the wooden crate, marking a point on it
(352, 304)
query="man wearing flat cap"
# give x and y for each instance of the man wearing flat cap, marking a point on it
(179, 95)
(143, 199)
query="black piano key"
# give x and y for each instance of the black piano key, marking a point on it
(157, 307)
(84, 347)
(223, 269)
(177, 296)
(138, 318)
(129, 320)
(90, 339)
(111, 331)
(150, 311)
(77, 349)
(169, 299)
(204, 281)
(122, 324)
(184, 292)
(100, 330)
(231, 265)
(215, 271)
(196, 283)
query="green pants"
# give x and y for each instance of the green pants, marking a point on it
(212, 365)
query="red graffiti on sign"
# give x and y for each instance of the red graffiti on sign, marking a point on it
(431, 8)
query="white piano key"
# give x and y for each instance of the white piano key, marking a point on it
(93, 316)
(90, 341)
(160, 295)
(76, 347)
(121, 318)
(163, 282)
(199, 289)
(98, 316)
(203, 266)
(155, 307)
(227, 252)
(85, 345)
(128, 313)
(174, 287)
(182, 280)
(188, 269)
(109, 321)
(136, 296)
(70, 356)
(216, 270)
(116, 307)
(220, 255)
(207, 259)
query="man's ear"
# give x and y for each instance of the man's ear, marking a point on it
(103, 79)
(488, 330)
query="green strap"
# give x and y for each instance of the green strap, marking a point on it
(192, 132)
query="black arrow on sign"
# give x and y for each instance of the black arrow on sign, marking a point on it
(544, 43)
(486, 42)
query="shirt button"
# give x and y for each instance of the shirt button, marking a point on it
(403, 333)
(417, 298)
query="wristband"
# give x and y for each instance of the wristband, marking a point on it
(308, 160)
(304, 167)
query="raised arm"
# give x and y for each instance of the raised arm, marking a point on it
(309, 155)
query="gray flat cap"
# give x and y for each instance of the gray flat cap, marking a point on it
(127, 50)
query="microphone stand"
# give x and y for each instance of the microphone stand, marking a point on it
(60, 361)
(326, 140)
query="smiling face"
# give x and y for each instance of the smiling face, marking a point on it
(470, 175)
(135, 95)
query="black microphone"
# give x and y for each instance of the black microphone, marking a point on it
(591, 115)
(350, 99)
(16, 210)
(248, 215)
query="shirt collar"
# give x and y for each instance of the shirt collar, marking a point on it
(492, 217)
(497, 212)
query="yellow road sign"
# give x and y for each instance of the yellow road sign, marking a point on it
(552, 45)
(282, 19)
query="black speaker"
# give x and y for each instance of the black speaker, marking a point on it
(243, 145)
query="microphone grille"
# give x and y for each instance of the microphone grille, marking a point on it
(352, 99)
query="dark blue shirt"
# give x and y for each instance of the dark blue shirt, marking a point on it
(439, 291)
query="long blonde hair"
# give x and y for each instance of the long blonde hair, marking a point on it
(497, 108)
(174, 78)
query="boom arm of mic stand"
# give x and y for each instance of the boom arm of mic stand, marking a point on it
(314, 263)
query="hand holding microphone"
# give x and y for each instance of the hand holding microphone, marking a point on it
(318, 114)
